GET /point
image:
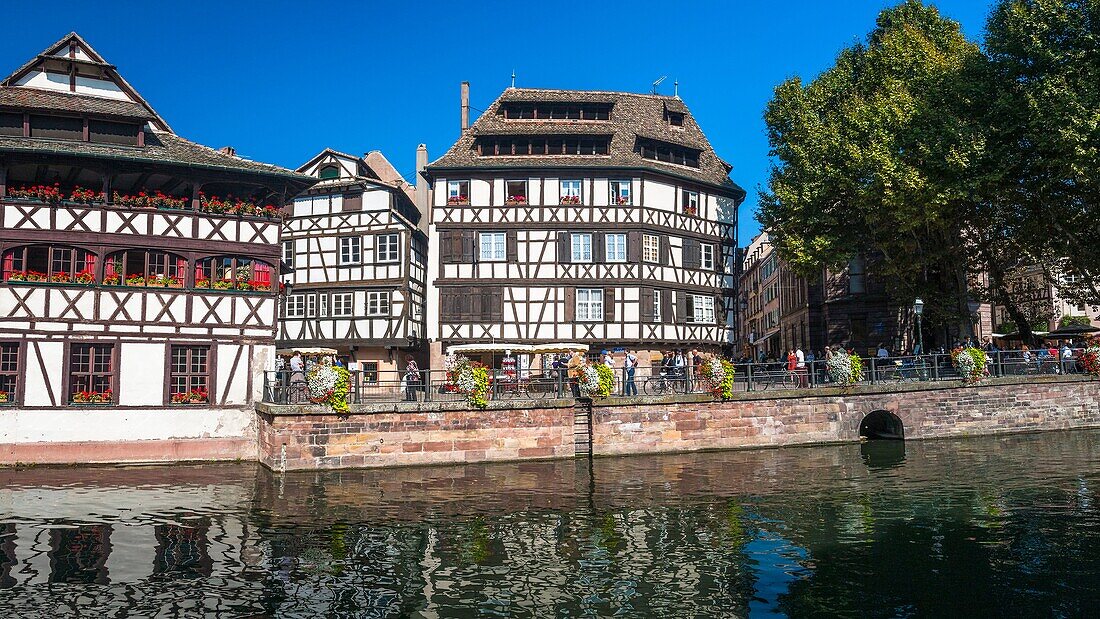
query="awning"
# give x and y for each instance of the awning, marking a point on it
(306, 351)
(518, 348)
(761, 340)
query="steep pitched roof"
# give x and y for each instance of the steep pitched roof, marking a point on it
(633, 116)
(371, 168)
(83, 54)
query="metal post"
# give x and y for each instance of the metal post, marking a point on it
(873, 371)
(935, 368)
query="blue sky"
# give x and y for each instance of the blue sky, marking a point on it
(280, 81)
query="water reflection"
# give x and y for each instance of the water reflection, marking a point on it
(977, 527)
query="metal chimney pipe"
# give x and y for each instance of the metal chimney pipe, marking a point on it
(465, 105)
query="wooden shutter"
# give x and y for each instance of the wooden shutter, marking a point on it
(692, 254)
(512, 242)
(609, 305)
(468, 241)
(446, 247)
(599, 246)
(646, 312)
(565, 253)
(681, 306)
(497, 300)
(633, 247)
(666, 306)
(664, 251)
(570, 304)
(353, 202)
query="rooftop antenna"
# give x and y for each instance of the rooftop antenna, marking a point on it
(676, 89)
(658, 83)
(513, 78)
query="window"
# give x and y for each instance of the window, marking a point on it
(541, 110)
(676, 119)
(701, 308)
(458, 192)
(378, 303)
(9, 372)
(581, 246)
(386, 247)
(90, 373)
(52, 263)
(350, 250)
(288, 253)
(541, 145)
(107, 132)
(690, 202)
(515, 192)
(656, 306)
(322, 305)
(311, 305)
(492, 246)
(706, 256)
(233, 272)
(141, 267)
(769, 266)
(342, 304)
(189, 379)
(329, 172)
(370, 372)
(855, 276)
(570, 192)
(620, 192)
(667, 152)
(615, 247)
(589, 304)
(295, 306)
(57, 127)
(651, 248)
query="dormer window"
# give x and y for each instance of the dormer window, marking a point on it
(329, 172)
(537, 145)
(667, 152)
(541, 110)
(676, 119)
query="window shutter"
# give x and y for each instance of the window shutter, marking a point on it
(666, 306)
(564, 250)
(570, 304)
(466, 305)
(646, 313)
(498, 305)
(609, 305)
(599, 243)
(468, 241)
(487, 309)
(446, 247)
(633, 247)
(691, 254)
(681, 306)
(664, 251)
(352, 202)
(512, 243)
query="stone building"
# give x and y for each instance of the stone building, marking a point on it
(138, 299)
(357, 259)
(599, 217)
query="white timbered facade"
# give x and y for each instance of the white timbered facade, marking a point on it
(138, 302)
(597, 217)
(357, 259)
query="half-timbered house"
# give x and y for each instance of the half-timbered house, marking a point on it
(139, 271)
(600, 217)
(357, 257)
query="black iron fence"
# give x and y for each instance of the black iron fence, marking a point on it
(381, 387)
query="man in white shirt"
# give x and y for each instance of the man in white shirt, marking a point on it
(630, 364)
(800, 366)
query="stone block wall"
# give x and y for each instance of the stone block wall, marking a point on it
(378, 437)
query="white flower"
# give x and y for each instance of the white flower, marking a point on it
(589, 380)
(321, 382)
(839, 368)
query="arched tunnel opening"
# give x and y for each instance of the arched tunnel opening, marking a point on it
(882, 425)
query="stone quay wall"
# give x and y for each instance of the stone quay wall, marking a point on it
(293, 437)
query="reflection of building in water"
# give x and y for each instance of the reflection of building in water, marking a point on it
(182, 551)
(79, 555)
(7, 555)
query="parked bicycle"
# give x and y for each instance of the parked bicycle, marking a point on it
(666, 383)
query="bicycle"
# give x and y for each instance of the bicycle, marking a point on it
(664, 384)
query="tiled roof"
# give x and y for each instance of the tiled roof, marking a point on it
(160, 148)
(35, 99)
(632, 115)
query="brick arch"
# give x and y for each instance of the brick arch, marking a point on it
(859, 407)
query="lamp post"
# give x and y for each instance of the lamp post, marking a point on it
(918, 309)
(973, 307)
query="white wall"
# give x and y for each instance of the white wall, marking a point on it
(93, 424)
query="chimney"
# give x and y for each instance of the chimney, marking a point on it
(465, 105)
(423, 190)
(228, 150)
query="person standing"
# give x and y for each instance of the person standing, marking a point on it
(412, 378)
(576, 366)
(800, 366)
(630, 365)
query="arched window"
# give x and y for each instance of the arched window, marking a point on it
(329, 171)
(49, 263)
(233, 273)
(146, 268)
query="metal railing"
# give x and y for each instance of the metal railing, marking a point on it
(384, 387)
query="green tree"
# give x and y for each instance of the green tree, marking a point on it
(880, 154)
(1044, 122)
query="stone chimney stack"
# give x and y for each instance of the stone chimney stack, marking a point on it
(465, 106)
(423, 190)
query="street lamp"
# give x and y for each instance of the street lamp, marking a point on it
(918, 309)
(973, 306)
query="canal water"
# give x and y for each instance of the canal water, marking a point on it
(981, 527)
